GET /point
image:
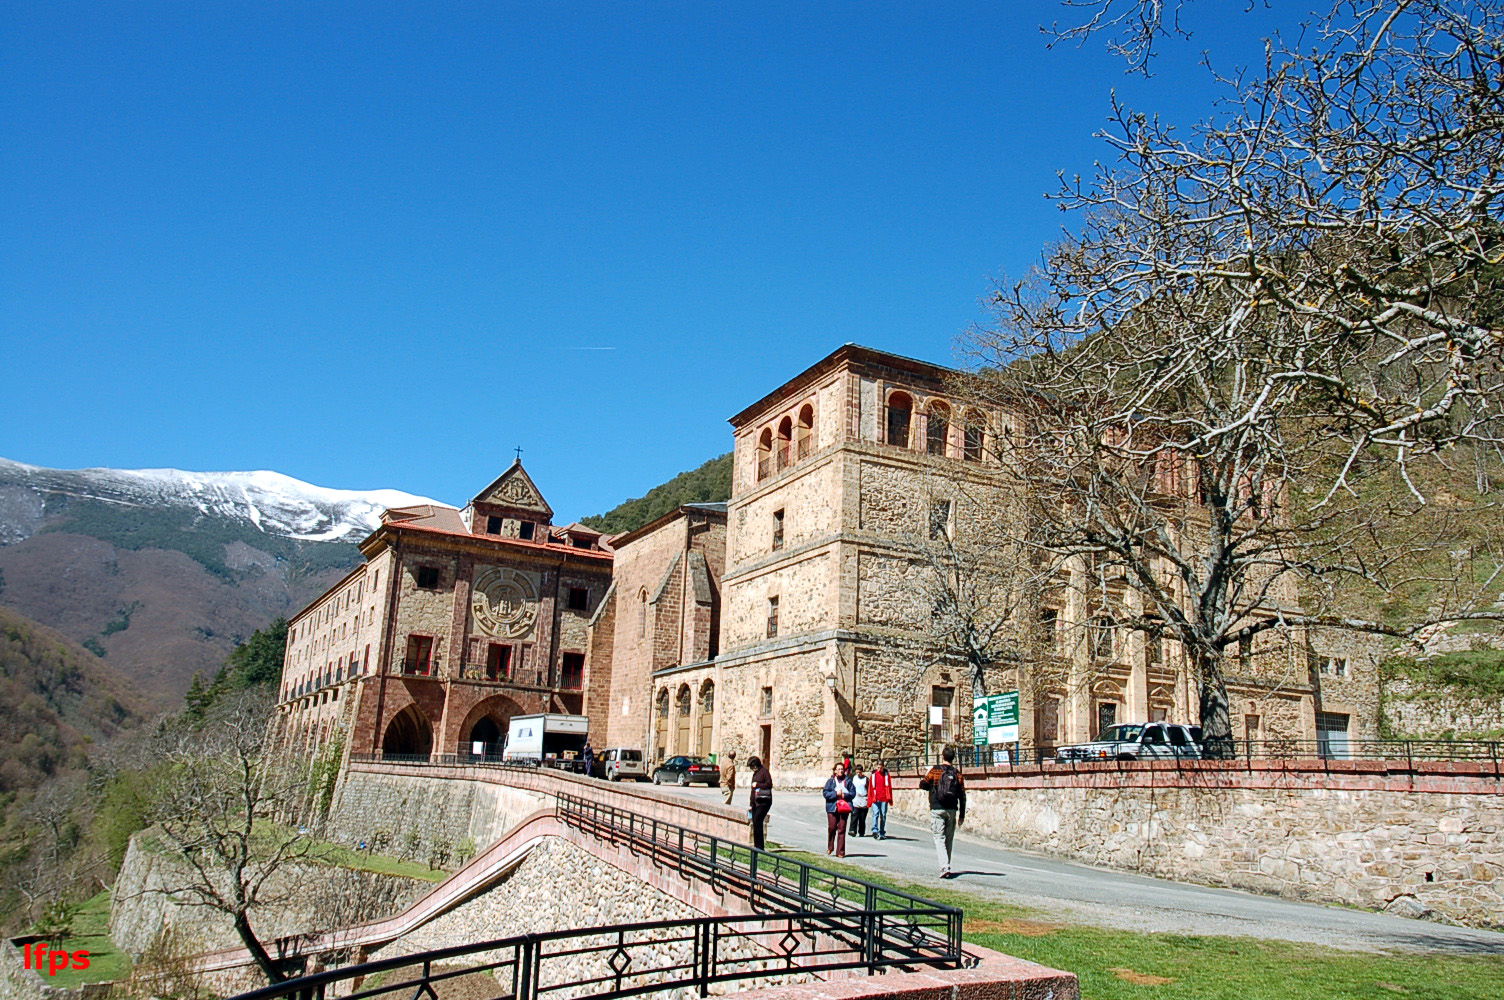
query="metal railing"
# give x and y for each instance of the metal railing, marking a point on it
(1397, 754)
(805, 921)
(628, 959)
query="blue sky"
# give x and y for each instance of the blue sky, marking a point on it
(379, 244)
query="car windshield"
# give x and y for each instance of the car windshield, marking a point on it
(1121, 734)
(632, 755)
(694, 760)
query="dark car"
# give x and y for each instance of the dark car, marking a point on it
(684, 770)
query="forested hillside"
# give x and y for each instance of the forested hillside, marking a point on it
(55, 699)
(710, 483)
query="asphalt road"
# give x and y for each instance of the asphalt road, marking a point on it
(1076, 893)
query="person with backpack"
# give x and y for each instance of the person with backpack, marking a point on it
(947, 806)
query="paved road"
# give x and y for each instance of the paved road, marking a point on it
(1078, 893)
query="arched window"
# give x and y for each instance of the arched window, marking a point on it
(804, 435)
(765, 454)
(785, 443)
(682, 700)
(642, 612)
(900, 410)
(937, 429)
(975, 437)
(707, 696)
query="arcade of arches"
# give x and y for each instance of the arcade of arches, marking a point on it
(684, 715)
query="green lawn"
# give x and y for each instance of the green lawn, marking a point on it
(91, 932)
(344, 857)
(1121, 965)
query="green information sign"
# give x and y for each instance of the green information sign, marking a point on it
(994, 719)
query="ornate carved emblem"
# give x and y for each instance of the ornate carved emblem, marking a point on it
(504, 603)
(515, 490)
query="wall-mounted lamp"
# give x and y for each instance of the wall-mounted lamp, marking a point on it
(830, 681)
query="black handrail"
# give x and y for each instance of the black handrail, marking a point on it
(805, 920)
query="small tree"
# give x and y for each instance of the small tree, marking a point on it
(217, 805)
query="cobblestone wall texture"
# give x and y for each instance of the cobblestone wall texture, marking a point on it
(1418, 854)
(138, 913)
(1412, 710)
(564, 887)
(448, 810)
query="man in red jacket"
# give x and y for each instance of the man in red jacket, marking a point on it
(881, 797)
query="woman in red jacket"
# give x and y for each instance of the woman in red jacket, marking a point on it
(881, 797)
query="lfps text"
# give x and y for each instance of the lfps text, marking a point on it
(38, 956)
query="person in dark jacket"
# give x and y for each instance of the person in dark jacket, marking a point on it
(838, 796)
(760, 799)
(947, 806)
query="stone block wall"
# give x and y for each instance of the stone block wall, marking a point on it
(369, 801)
(1413, 711)
(1344, 832)
(306, 896)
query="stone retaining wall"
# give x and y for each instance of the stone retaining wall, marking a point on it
(1426, 845)
(139, 913)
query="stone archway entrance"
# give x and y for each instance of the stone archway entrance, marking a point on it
(408, 735)
(486, 724)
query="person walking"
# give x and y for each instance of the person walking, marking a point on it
(947, 806)
(861, 785)
(760, 799)
(838, 796)
(880, 795)
(728, 777)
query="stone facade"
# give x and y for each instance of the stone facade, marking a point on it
(665, 617)
(1417, 845)
(457, 621)
(849, 483)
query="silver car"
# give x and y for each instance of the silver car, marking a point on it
(619, 763)
(1138, 741)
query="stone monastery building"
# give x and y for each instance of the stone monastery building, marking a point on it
(793, 621)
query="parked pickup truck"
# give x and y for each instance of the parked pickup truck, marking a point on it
(1138, 741)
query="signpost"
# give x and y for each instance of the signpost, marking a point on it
(994, 719)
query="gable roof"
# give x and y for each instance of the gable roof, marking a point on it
(514, 488)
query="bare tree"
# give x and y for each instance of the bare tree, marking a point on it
(980, 582)
(1263, 326)
(219, 810)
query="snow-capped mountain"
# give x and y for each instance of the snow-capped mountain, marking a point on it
(162, 572)
(268, 501)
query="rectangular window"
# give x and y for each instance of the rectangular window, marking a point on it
(493, 525)
(940, 519)
(574, 671)
(419, 655)
(428, 577)
(525, 530)
(1332, 666)
(1049, 620)
(971, 450)
(1103, 638)
(1331, 735)
(1107, 716)
(767, 702)
(1245, 651)
(579, 598)
(1251, 727)
(777, 529)
(498, 661)
(772, 617)
(943, 699)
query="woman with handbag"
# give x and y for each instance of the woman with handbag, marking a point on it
(760, 800)
(838, 796)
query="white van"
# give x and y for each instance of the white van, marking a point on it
(620, 762)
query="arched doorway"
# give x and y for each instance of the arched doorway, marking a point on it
(408, 735)
(660, 725)
(707, 717)
(682, 705)
(486, 724)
